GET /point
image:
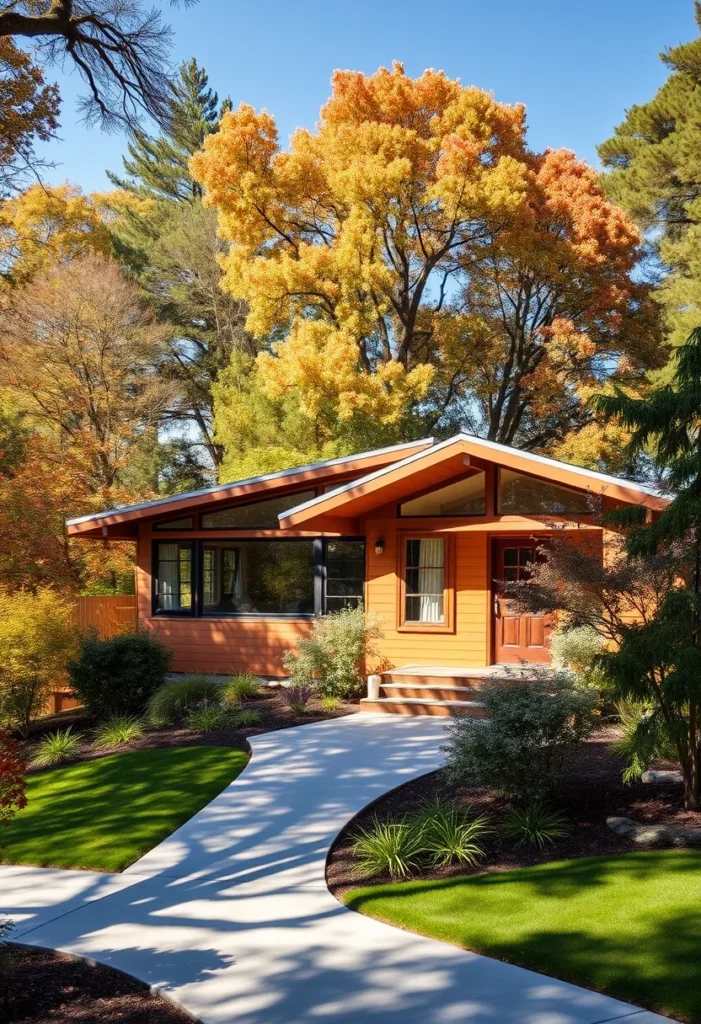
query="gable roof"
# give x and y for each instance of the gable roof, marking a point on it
(359, 496)
(91, 525)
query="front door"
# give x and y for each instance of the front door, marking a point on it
(517, 637)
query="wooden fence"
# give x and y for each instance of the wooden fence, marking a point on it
(109, 616)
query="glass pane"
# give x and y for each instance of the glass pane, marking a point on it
(425, 580)
(260, 515)
(335, 604)
(173, 577)
(176, 524)
(462, 498)
(344, 588)
(510, 575)
(424, 609)
(412, 581)
(526, 495)
(525, 555)
(345, 574)
(510, 556)
(258, 577)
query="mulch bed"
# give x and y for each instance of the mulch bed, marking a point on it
(274, 714)
(43, 987)
(591, 792)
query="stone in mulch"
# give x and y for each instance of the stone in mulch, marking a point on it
(654, 835)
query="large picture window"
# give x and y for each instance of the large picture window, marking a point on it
(527, 495)
(260, 515)
(464, 497)
(174, 591)
(251, 577)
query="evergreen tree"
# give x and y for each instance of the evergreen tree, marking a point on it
(654, 157)
(659, 662)
(157, 168)
(170, 241)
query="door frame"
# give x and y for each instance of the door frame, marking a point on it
(493, 538)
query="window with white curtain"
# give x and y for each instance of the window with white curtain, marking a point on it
(425, 580)
(174, 577)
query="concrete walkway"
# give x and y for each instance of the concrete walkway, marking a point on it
(231, 917)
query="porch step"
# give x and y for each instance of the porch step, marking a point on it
(429, 691)
(423, 706)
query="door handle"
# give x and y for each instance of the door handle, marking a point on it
(497, 608)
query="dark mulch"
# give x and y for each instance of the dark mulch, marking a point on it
(43, 987)
(592, 791)
(274, 714)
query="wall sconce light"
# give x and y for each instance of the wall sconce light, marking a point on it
(379, 546)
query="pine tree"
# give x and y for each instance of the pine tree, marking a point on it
(157, 168)
(170, 241)
(659, 662)
(654, 161)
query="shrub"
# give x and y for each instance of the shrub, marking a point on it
(645, 738)
(247, 717)
(119, 730)
(206, 717)
(394, 847)
(37, 641)
(12, 782)
(297, 696)
(118, 676)
(6, 927)
(57, 747)
(449, 835)
(519, 750)
(576, 648)
(173, 700)
(241, 688)
(534, 825)
(334, 656)
(330, 703)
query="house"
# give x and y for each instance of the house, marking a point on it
(423, 533)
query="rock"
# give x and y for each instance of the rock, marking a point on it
(662, 776)
(655, 835)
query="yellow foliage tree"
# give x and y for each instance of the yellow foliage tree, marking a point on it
(416, 265)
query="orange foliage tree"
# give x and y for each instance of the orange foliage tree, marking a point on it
(421, 266)
(28, 112)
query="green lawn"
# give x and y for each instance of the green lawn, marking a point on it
(628, 925)
(106, 813)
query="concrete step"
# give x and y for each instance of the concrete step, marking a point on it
(423, 706)
(430, 691)
(473, 682)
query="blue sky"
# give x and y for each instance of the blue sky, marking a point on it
(576, 64)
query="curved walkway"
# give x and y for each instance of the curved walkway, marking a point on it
(231, 917)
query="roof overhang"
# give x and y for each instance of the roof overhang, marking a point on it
(123, 523)
(340, 509)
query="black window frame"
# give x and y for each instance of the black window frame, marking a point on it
(324, 574)
(180, 613)
(251, 504)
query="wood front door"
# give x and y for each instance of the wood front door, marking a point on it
(517, 637)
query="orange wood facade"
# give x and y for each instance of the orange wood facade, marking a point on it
(367, 508)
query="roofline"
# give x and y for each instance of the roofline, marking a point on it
(495, 446)
(281, 474)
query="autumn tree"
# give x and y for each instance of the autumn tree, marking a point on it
(81, 354)
(28, 114)
(654, 173)
(119, 48)
(422, 269)
(45, 227)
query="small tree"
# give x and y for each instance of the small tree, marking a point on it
(37, 640)
(334, 657)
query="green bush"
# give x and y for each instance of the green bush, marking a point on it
(247, 717)
(395, 847)
(519, 750)
(333, 657)
(119, 675)
(576, 648)
(207, 717)
(57, 747)
(241, 688)
(330, 703)
(173, 700)
(534, 825)
(645, 737)
(119, 730)
(449, 835)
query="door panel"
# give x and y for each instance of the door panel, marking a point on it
(517, 637)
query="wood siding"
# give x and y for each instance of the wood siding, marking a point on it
(108, 615)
